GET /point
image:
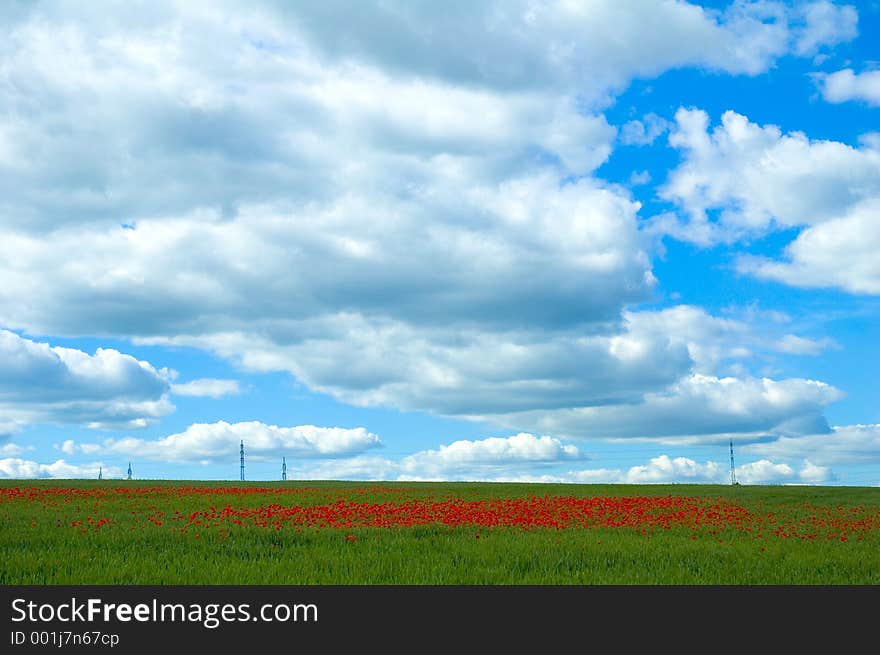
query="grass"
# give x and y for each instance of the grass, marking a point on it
(151, 538)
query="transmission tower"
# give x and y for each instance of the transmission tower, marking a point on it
(241, 460)
(128, 477)
(732, 467)
(283, 469)
(100, 473)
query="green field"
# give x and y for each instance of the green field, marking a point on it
(152, 532)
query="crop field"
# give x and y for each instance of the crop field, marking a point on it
(158, 532)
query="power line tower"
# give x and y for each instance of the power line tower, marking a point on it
(283, 469)
(241, 459)
(732, 467)
(128, 476)
(100, 472)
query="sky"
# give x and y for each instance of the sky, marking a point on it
(565, 241)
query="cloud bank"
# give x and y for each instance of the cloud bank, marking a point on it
(43, 383)
(847, 85)
(401, 210)
(15, 468)
(207, 442)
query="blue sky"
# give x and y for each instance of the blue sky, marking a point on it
(562, 241)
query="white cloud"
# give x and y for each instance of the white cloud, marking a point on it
(459, 460)
(638, 178)
(206, 387)
(645, 131)
(667, 469)
(839, 253)
(460, 372)
(566, 383)
(221, 440)
(825, 24)
(814, 474)
(699, 408)
(360, 467)
(12, 449)
(710, 340)
(713, 342)
(796, 345)
(466, 459)
(398, 209)
(374, 319)
(43, 383)
(662, 469)
(492, 458)
(8, 427)
(843, 445)
(158, 122)
(762, 472)
(26, 469)
(759, 179)
(427, 466)
(845, 85)
(462, 252)
(509, 44)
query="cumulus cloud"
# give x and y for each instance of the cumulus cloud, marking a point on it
(667, 469)
(565, 383)
(571, 251)
(662, 469)
(795, 345)
(206, 387)
(740, 333)
(824, 24)
(68, 447)
(466, 459)
(399, 210)
(643, 132)
(15, 468)
(458, 372)
(710, 340)
(154, 120)
(200, 127)
(838, 253)
(539, 278)
(43, 383)
(492, 458)
(762, 471)
(845, 85)
(814, 474)
(12, 449)
(787, 460)
(220, 441)
(8, 428)
(508, 44)
(435, 465)
(758, 179)
(699, 408)
(842, 445)
(519, 447)
(360, 467)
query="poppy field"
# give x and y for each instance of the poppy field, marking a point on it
(152, 532)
